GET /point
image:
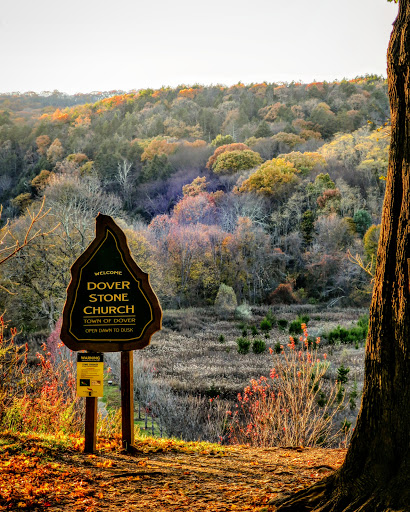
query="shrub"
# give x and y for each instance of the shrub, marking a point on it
(283, 410)
(295, 327)
(283, 295)
(41, 399)
(254, 330)
(243, 345)
(271, 318)
(258, 346)
(282, 324)
(355, 334)
(266, 325)
(225, 298)
(342, 374)
(221, 338)
(243, 312)
(353, 396)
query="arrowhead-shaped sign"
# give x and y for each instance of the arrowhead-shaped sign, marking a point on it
(110, 304)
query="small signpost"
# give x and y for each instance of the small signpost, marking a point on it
(110, 307)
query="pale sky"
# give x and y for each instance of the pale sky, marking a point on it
(92, 45)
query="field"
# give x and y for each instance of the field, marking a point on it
(196, 355)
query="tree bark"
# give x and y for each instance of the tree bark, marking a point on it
(376, 473)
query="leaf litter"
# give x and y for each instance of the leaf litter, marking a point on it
(163, 475)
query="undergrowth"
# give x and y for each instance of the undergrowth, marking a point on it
(294, 406)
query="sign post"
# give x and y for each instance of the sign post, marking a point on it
(90, 378)
(127, 399)
(90, 434)
(110, 307)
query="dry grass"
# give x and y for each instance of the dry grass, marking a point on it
(188, 355)
(187, 358)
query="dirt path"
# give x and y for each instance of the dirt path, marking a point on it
(162, 476)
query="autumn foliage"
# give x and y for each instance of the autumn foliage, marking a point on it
(294, 406)
(40, 399)
(272, 178)
(223, 149)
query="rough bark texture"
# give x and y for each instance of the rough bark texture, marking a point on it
(376, 473)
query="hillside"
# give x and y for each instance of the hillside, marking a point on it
(271, 189)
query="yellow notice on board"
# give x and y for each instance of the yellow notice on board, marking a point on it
(90, 374)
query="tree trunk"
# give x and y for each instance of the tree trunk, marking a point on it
(376, 473)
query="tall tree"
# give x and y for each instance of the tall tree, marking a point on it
(376, 473)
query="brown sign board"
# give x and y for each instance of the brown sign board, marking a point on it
(110, 304)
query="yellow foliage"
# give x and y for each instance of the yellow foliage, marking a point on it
(305, 162)
(271, 178)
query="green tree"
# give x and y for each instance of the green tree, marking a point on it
(221, 140)
(307, 226)
(363, 221)
(323, 116)
(263, 130)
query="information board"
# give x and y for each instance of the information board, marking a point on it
(90, 375)
(110, 304)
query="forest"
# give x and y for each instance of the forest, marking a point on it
(274, 190)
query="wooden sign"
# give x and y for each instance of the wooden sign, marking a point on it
(110, 304)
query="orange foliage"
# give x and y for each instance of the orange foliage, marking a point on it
(199, 143)
(193, 209)
(43, 142)
(235, 87)
(83, 120)
(60, 116)
(191, 92)
(259, 89)
(114, 102)
(158, 147)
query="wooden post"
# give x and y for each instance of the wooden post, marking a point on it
(90, 424)
(127, 399)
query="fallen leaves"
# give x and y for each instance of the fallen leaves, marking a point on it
(164, 475)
